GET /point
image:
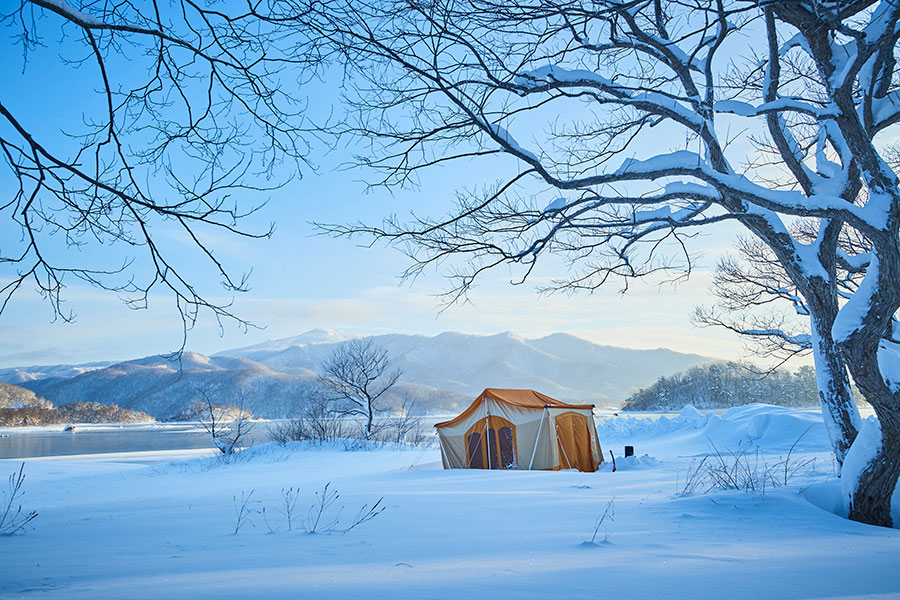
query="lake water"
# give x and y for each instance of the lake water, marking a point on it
(31, 442)
(101, 439)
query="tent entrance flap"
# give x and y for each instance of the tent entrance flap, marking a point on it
(573, 438)
(491, 444)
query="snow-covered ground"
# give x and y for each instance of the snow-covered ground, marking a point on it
(161, 525)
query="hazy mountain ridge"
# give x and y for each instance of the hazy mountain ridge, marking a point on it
(441, 373)
(163, 387)
(561, 365)
(18, 375)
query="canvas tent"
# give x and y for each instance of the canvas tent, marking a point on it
(520, 429)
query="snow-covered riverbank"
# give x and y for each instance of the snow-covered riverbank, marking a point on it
(114, 526)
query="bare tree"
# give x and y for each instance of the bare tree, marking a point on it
(438, 81)
(408, 423)
(356, 376)
(227, 425)
(195, 108)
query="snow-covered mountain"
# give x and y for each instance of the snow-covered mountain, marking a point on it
(560, 365)
(441, 373)
(163, 387)
(312, 337)
(17, 375)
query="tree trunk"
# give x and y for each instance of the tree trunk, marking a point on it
(839, 410)
(871, 502)
(877, 479)
(871, 499)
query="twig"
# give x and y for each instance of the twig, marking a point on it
(12, 521)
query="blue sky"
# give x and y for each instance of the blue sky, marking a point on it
(302, 281)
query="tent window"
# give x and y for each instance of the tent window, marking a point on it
(507, 448)
(492, 449)
(491, 444)
(473, 444)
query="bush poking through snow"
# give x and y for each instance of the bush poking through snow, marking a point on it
(738, 470)
(741, 469)
(366, 513)
(319, 521)
(608, 514)
(289, 499)
(13, 519)
(316, 422)
(319, 517)
(244, 510)
(314, 519)
(695, 479)
(319, 422)
(790, 467)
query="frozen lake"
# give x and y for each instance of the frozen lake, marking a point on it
(33, 442)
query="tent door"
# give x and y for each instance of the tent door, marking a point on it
(573, 439)
(491, 444)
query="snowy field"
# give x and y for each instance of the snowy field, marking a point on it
(161, 524)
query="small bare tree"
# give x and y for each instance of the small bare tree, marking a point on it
(228, 425)
(408, 423)
(356, 376)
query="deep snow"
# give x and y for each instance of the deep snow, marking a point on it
(159, 525)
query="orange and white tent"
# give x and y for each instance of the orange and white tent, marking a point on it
(520, 429)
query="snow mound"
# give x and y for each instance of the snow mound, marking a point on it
(629, 427)
(773, 428)
(691, 414)
(629, 463)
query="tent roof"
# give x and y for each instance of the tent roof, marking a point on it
(520, 398)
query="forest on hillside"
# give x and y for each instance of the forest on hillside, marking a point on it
(727, 384)
(21, 407)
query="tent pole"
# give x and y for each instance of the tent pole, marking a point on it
(487, 438)
(537, 439)
(444, 450)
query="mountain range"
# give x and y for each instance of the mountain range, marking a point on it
(441, 373)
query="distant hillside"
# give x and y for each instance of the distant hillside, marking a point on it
(441, 373)
(723, 385)
(14, 396)
(21, 406)
(163, 388)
